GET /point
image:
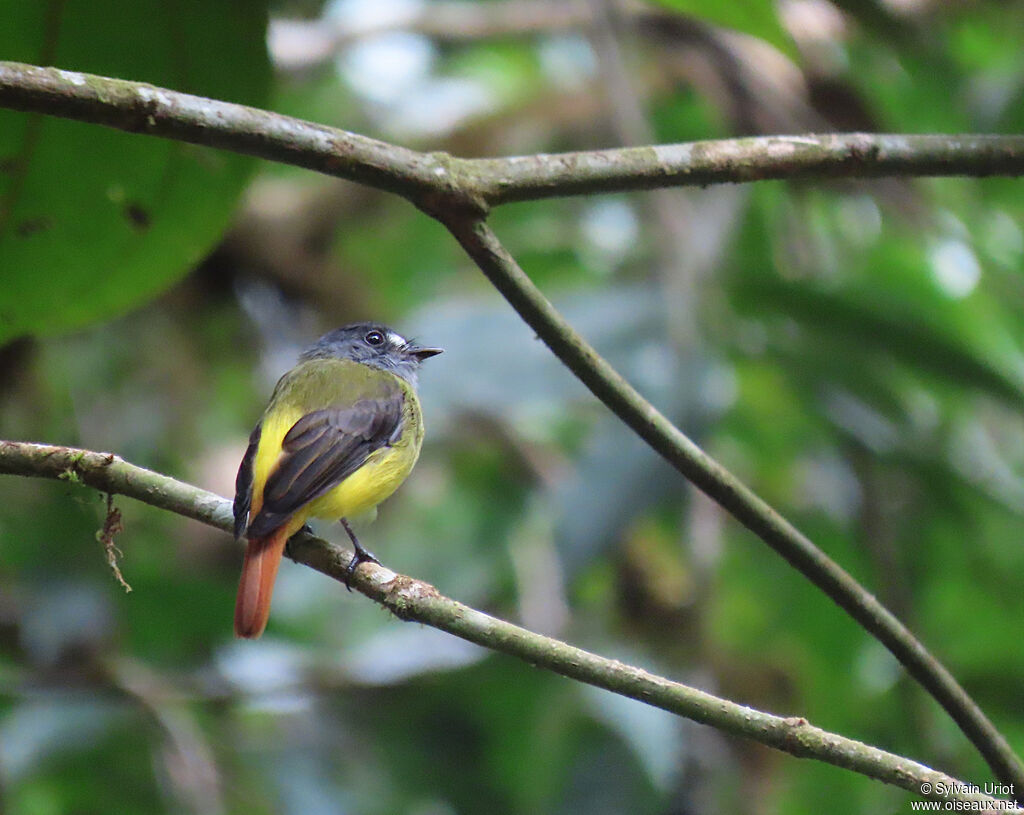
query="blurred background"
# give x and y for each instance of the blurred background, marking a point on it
(852, 350)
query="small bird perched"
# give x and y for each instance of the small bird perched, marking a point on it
(342, 431)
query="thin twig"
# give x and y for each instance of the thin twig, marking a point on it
(112, 525)
(414, 600)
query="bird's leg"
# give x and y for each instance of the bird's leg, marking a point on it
(306, 530)
(361, 555)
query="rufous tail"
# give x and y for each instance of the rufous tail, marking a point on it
(256, 586)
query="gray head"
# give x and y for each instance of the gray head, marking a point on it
(372, 344)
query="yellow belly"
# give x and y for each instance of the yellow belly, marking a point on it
(377, 479)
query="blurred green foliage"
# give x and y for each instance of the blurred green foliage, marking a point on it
(108, 219)
(853, 350)
(758, 18)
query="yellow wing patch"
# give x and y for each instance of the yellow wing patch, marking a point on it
(275, 428)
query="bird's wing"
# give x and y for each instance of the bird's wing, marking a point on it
(321, 450)
(243, 483)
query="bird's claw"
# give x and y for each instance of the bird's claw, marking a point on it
(360, 555)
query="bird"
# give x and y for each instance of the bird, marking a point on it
(340, 434)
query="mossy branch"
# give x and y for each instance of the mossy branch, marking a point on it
(429, 179)
(414, 600)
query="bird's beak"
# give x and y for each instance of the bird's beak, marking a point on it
(422, 353)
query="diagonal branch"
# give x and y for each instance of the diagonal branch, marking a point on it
(411, 599)
(459, 192)
(675, 447)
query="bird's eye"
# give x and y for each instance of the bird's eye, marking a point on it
(374, 338)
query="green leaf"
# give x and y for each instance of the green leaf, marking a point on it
(95, 221)
(755, 17)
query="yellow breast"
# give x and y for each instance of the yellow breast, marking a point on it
(377, 479)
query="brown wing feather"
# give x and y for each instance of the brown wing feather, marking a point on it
(243, 483)
(321, 450)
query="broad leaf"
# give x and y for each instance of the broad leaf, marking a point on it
(94, 221)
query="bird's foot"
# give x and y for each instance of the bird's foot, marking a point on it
(306, 530)
(361, 555)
